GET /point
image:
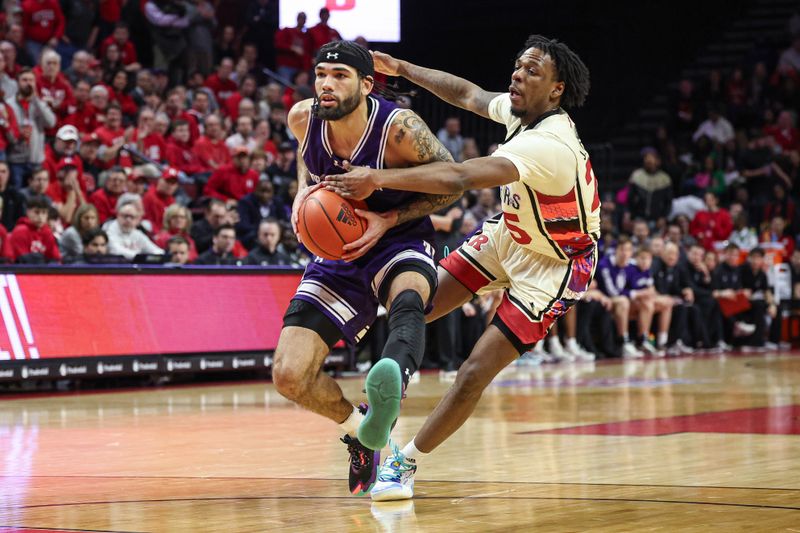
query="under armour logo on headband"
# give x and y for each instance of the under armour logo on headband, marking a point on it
(332, 55)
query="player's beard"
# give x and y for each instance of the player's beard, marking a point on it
(345, 107)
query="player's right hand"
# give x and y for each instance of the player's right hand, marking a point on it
(298, 201)
(385, 64)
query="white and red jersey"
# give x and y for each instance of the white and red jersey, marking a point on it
(554, 208)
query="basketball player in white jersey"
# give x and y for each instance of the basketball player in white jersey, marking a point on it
(542, 248)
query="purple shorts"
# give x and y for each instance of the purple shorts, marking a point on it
(348, 293)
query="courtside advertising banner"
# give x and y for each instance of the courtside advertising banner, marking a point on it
(88, 315)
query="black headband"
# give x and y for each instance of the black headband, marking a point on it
(363, 64)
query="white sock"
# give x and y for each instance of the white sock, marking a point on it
(351, 423)
(411, 452)
(662, 339)
(625, 338)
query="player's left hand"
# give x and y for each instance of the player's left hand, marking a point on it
(358, 183)
(377, 225)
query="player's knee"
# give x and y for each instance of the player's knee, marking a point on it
(290, 381)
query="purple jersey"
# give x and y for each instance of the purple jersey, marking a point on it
(369, 152)
(639, 279)
(612, 278)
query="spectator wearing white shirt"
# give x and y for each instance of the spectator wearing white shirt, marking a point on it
(124, 238)
(715, 127)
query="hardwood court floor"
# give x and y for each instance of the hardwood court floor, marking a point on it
(703, 444)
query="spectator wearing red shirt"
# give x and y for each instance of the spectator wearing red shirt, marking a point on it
(221, 83)
(177, 223)
(784, 132)
(119, 93)
(105, 199)
(157, 199)
(12, 68)
(9, 129)
(32, 240)
(179, 150)
(127, 52)
(112, 138)
(53, 87)
(89, 148)
(137, 182)
(230, 183)
(247, 89)
(83, 115)
(781, 205)
(110, 13)
(263, 136)
(43, 22)
(211, 149)
(292, 49)
(322, 34)
(712, 224)
(65, 146)
(65, 190)
(175, 109)
(148, 141)
(776, 235)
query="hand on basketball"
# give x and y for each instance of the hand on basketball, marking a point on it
(358, 183)
(385, 64)
(377, 225)
(298, 201)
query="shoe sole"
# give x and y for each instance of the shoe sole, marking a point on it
(391, 495)
(384, 386)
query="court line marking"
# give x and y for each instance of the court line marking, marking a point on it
(350, 498)
(54, 529)
(568, 483)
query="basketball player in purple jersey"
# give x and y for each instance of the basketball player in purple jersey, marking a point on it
(391, 264)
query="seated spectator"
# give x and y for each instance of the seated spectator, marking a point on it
(650, 193)
(70, 243)
(90, 147)
(789, 61)
(180, 150)
(299, 257)
(221, 251)
(672, 279)
(127, 52)
(712, 224)
(641, 233)
(43, 22)
(230, 183)
(6, 254)
(64, 146)
(178, 250)
(158, 198)
(105, 199)
(267, 251)
(284, 170)
(138, 181)
(732, 298)
(70, 196)
(702, 281)
(244, 136)
(53, 87)
(781, 205)
(13, 201)
(715, 127)
(645, 303)
(112, 138)
(762, 301)
(486, 206)
(78, 70)
(220, 82)
(743, 236)
(37, 185)
(202, 231)
(257, 206)
(125, 238)
(32, 240)
(211, 149)
(450, 136)
(263, 136)
(148, 141)
(82, 114)
(786, 135)
(776, 237)
(247, 90)
(612, 279)
(95, 249)
(177, 223)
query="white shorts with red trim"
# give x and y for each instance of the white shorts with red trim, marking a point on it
(538, 289)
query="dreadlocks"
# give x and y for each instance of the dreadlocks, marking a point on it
(569, 69)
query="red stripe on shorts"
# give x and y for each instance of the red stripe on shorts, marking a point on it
(526, 330)
(465, 272)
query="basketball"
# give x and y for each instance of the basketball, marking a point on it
(327, 222)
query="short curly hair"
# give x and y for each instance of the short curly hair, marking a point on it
(569, 68)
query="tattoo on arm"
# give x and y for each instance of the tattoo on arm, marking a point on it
(427, 149)
(424, 205)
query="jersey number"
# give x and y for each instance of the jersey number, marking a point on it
(517, 233)
(590, 178)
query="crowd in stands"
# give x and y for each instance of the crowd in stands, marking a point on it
(107, 158)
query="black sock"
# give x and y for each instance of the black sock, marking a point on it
(406, 342)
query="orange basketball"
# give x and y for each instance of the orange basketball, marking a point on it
(327, 222)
